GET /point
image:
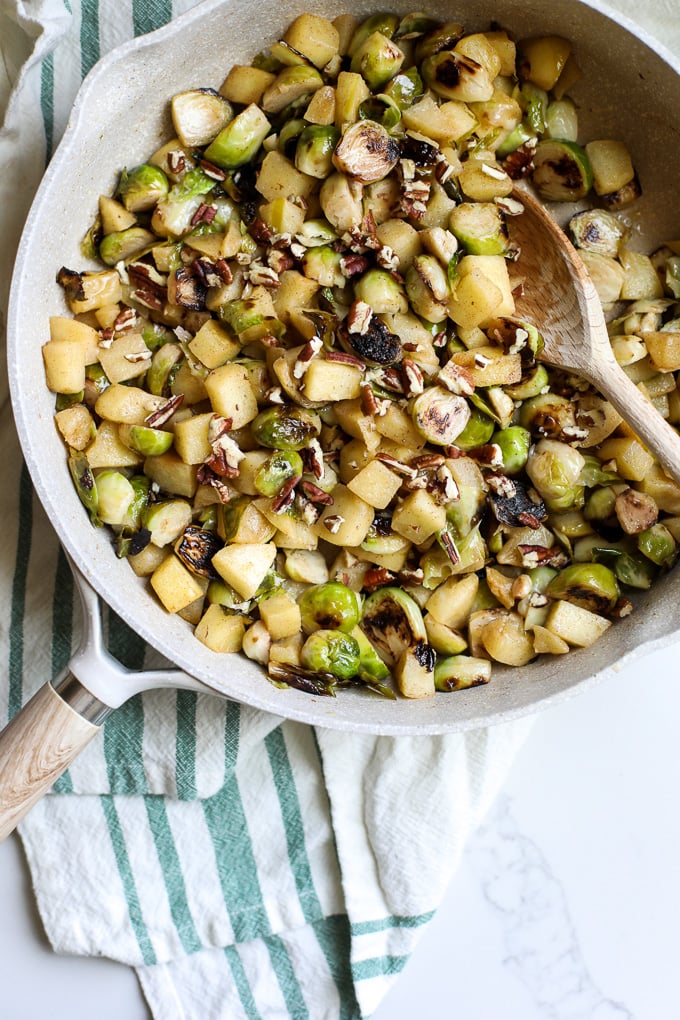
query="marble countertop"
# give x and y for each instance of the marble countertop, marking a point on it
(566, 905)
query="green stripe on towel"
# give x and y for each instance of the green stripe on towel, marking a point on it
(241, 981)
(391, 921)
(89, 35)
(234, 858)
(333, 936)
(284, 781)
(47, 102)
(128, 880)
(285, 975)
(168, 858)
(150, 14)
(185, 746)
(379, 966)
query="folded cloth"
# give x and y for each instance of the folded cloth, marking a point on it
(244, 865)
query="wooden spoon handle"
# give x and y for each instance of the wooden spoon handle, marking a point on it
(652, 429)
(38, 745)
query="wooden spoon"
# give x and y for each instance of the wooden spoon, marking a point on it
(559, 298)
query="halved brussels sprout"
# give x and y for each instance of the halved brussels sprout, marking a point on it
(198, 115)
(330, 606)
(393, 622)
(332, 651)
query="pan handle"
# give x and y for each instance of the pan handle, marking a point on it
(41, 741)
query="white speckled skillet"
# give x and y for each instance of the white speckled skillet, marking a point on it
(630, 90)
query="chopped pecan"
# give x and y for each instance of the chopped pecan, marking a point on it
(164, 412)
(213, 171)
(345, 359)
(369, 402)
(333, 523)
(260, 231)
(397, 465)
(286, 495)
(316, 494)
(126, 319)
(204, 214)
(520, 162)
(378, 577)
(353, 265)
(427, 460)
(413, 379)
(205, 476)
(539, 556)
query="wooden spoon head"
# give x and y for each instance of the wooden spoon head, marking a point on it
(557, 294)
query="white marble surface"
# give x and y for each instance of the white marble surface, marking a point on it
(566, 906)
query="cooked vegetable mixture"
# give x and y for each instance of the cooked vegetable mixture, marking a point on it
(295, 387)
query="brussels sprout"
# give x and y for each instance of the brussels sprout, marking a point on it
(393, 622)
(630, 567)
(324, 265)
(592, 586)
(478, 430)
(657, 544)
(562, 171)
(331, 651)
(123, 245)
(405, 88)
(166, 520)
(597, 230)
(561, 120)
(413, 25)
(145, 440)
(555, 471)
(386, 24)
(290, 84)
(381, 109)
(142, 187)
(548, 415)
(314, 150)
(440, 416)
(443, 37)
(518, 136)
(533, 383)
(427, 286)
(239, 141)
(534, 102)
(115, 495)
(85, 484)
(594, 473)
(377, 60)
(196, 548)
(276, 470)
(366, 152)
(371, 667)
(221, 594)
(480, 228)
(330, 606)
(514, 443)
(515, 506)
(381, 291)
(198, 115)
(600, 504)
(164, 363)
(458, 672)
(285, 427)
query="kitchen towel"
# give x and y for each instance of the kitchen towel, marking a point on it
(244, 865)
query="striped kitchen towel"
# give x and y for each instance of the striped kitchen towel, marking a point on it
(244, 865)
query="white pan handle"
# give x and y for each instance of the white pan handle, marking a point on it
(40, 743)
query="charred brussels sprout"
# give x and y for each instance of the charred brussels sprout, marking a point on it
(142, 187)
(393, 622)
(286, 427)
(332, 651)
(592, 586)
(386, 24)
(115, 496)
(85, 484)
(478, 430)
(562, 171)
(330, 606)
(405, 88)
(366, 152)
(597, 230)
(441, 416)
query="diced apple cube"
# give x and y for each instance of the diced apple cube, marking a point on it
(281, 616)
(244, 567)
(375, 484)
(174, 585)
(220, 630)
